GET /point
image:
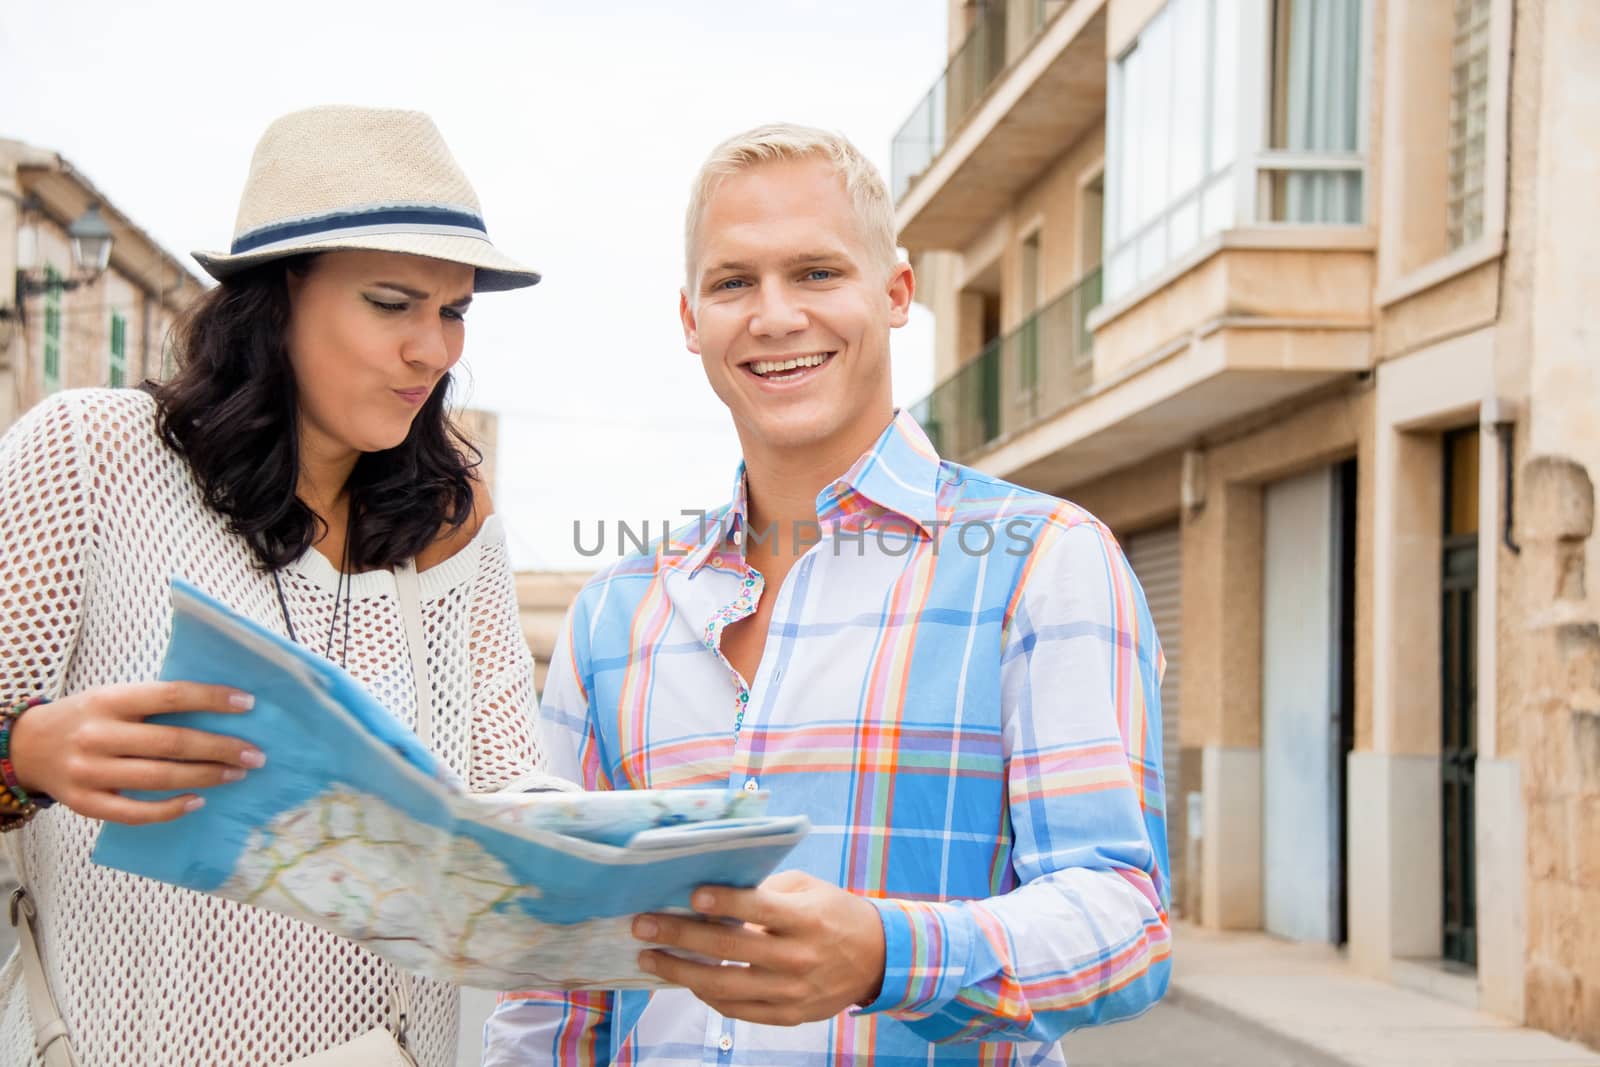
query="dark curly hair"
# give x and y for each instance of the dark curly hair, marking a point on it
(231, 411)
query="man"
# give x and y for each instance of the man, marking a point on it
(955, 679)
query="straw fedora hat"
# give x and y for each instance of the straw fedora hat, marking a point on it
(354, 177)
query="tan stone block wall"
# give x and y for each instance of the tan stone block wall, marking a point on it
(935, 274)
(1415, 97)
(1050, 208)
(1313, 285)
(1559, 721)
(482, 428)
(1222, 554)
(86, 324)
(1221, 686)
(1465, 302)
(1134, 498)
(1054, 203)
(543, 598)
(1414, 686)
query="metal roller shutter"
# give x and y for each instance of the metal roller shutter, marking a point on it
(1156, 557)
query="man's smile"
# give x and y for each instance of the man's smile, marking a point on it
(787, 369)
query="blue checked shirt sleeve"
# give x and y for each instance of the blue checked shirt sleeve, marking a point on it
(1083, 939)
(536, 1027)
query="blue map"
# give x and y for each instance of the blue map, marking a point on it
(355, 826)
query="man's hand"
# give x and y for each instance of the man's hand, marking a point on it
(812, 950)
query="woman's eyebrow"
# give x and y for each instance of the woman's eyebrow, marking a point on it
(415, 294)
(418, 294)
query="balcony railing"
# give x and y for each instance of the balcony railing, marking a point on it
(1003, 32)
(1040, 368)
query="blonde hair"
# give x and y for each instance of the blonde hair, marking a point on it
(786, 141)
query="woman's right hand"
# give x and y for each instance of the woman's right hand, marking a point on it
(83, 750)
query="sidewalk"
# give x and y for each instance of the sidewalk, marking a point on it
(1308, 995)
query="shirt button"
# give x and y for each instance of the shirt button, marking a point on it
(725, 1042)
(751, 785)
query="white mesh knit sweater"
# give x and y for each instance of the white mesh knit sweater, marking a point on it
(96, 515)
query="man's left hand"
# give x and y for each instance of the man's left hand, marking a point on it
(811, 949)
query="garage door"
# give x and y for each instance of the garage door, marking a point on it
(1156, 559)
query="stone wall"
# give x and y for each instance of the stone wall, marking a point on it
(1560, 732)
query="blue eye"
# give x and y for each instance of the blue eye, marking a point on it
(729, 283)
(824, 272)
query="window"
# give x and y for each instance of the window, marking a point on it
(1091, 212)
(118, 375)
(1172, 106)
(1200, 138)
(1469, 121)
(52, 330)
(1028, 332)
(1313, 173)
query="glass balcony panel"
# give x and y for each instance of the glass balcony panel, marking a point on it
(1043, 366)
(1003, 31)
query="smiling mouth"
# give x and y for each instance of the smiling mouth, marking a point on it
(789, 368)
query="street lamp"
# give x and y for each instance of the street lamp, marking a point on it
(91, 241)
(91, 254)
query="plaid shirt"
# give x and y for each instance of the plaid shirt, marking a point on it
(960, 688)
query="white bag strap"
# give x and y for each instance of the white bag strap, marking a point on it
(50, 1040)
(409, 588)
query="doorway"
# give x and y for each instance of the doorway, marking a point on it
(1307, 706)
(1458, 748)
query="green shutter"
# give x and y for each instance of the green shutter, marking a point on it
(119, 351)
(52, 330)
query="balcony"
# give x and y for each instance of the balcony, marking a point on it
(972, 69)
(1036, 370)
(1250, 319)
(1026, 84)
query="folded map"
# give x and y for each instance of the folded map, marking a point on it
(355, 826)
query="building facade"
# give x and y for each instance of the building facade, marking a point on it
(64, 325)
(1292, 293)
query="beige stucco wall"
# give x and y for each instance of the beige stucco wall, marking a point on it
(1222, 554)
(1501, 331)
(1560, 572)
(86, 325)
(1124, 20)
(483, 430)
(1131, 499)
(1309, 285)
(1050, 208)
(144, 283)
(543, 598)
(1220, 728)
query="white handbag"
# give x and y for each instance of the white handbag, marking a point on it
(381, 1046)
(50, 1041)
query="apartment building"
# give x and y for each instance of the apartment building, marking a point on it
(88, 296)
(1292, 294)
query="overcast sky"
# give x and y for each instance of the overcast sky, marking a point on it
(580, 124)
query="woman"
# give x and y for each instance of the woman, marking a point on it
(300, 455)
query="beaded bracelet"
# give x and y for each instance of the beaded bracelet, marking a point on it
(15, 803)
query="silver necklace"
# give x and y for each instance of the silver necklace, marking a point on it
(340, 592)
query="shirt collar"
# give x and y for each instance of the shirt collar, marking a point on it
(899, 473)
